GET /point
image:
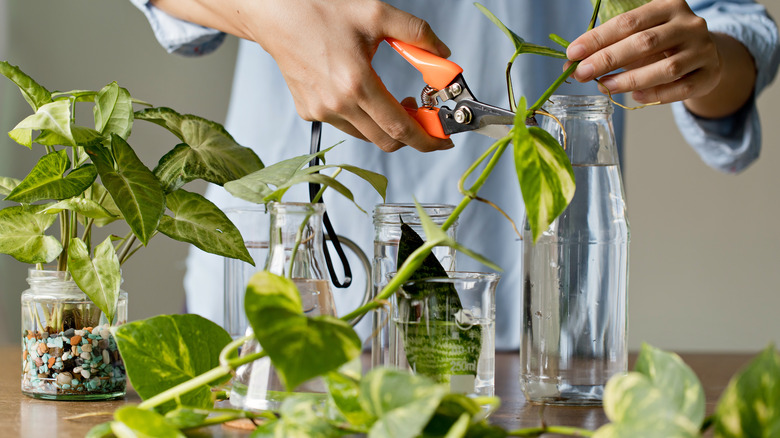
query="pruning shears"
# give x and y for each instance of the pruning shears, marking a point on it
(444, 81)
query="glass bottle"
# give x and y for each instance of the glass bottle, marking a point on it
(387, 233)
(257, 385)
(574, 325)
(68, 351)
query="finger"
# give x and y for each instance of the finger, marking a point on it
(695, 84)
(646, 43)
(665, 71)
(405, 27)
(409, 102)
(618, 28)
(348, 128)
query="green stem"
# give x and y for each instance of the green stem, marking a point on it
(707, 423)
(560, 430)
(509, 87)
(62, 262)
(124, 249)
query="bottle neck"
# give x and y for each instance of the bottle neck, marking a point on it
(295, 243)
(583, 127)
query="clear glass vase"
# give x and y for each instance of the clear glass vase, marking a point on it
(574, 323)
(387, 233)
(68, 351)
(257, 385)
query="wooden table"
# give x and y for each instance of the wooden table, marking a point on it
(21, 416)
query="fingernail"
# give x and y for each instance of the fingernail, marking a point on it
(584, 72)
(575, 52)
(638, 96)
(609, 83)
(443, 49)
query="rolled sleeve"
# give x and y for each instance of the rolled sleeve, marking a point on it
(732, 143)
(179, 36)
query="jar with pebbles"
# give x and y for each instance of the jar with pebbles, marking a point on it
(68, 350)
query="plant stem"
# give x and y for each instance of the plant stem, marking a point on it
(707, 423)
(127, 242)
(185, 387)
(62, 261)
(560, 430)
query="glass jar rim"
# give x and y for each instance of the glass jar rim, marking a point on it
(578, 102)
(391, 211)
(297, 207)
(454, 277)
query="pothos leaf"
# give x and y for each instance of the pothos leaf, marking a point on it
(750, 405)
(184, 346)
(521, 46)
(300, 347)
(134, 422)
(35, 94)
(544, 172)
(611, 8)
(99, 278)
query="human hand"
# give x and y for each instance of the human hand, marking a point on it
(665, 49)
(324, 51)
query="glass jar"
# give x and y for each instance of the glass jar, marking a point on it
(68, 351)
(574, 324)
(387, 233)
(295, 251)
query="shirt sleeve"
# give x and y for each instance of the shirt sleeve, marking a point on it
(732, 143)
(179, 36)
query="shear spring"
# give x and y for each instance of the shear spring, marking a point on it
(428, 96)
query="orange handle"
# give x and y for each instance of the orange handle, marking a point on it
(436, 71)
(428, 118)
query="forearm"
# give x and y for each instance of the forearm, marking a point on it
(225, 15)
(736, 83)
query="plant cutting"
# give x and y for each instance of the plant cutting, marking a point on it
(69, 351)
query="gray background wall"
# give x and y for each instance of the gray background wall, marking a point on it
(704, 272)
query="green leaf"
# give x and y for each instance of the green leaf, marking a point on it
(209, 152)
(7, 184)
(450, 411)
(662, 398)
(98, 194)
(113, 111)
(521, 46)
(164, 351)
(403, 403)
(22, 136)
(83, 206)
(185, 418)
(198, 221)
(544, 172)
(78, 95)
(255, 186)
(301, 417)
(459, 428)
(133, 422)
(98, 278)
(344, 395)
(47, 180)
(102, 430)
(35, 94)
(22, 234)
(53, 116)
(611, 8)
(750, 405)
(675, 379)
(132, 186)
(82, 136)
(377, 180)
(300, 347)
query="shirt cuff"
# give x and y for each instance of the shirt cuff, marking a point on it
(179, 36)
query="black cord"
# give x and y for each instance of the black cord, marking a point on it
(316, 136)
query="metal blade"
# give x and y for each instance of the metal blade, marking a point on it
(494, 131)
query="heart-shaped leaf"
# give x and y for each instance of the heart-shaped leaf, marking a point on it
(82, 136)
(300, 347)
(47, 180)
(133, 422)
(750, 405)
(35, 94)
(344, 398)
(403, 403)
(164, 351)
(301, 417)
(83, 206)
(98, 194)
(7, 185)
(209, 152)
(544, 172)
(198, 221)
(132, 186)
(113, 111)
(521, 46)
(22, 234)
(98, 278)
(53, 116)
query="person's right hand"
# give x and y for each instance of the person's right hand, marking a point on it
(324, 50)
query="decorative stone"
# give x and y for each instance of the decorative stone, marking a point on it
(64, 378)
(86, 348)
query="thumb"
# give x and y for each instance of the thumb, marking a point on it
(413, 30)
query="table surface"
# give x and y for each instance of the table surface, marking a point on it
(27, 417)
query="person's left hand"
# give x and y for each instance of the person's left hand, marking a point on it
(665, 49)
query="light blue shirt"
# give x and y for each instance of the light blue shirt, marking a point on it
(262, 115)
